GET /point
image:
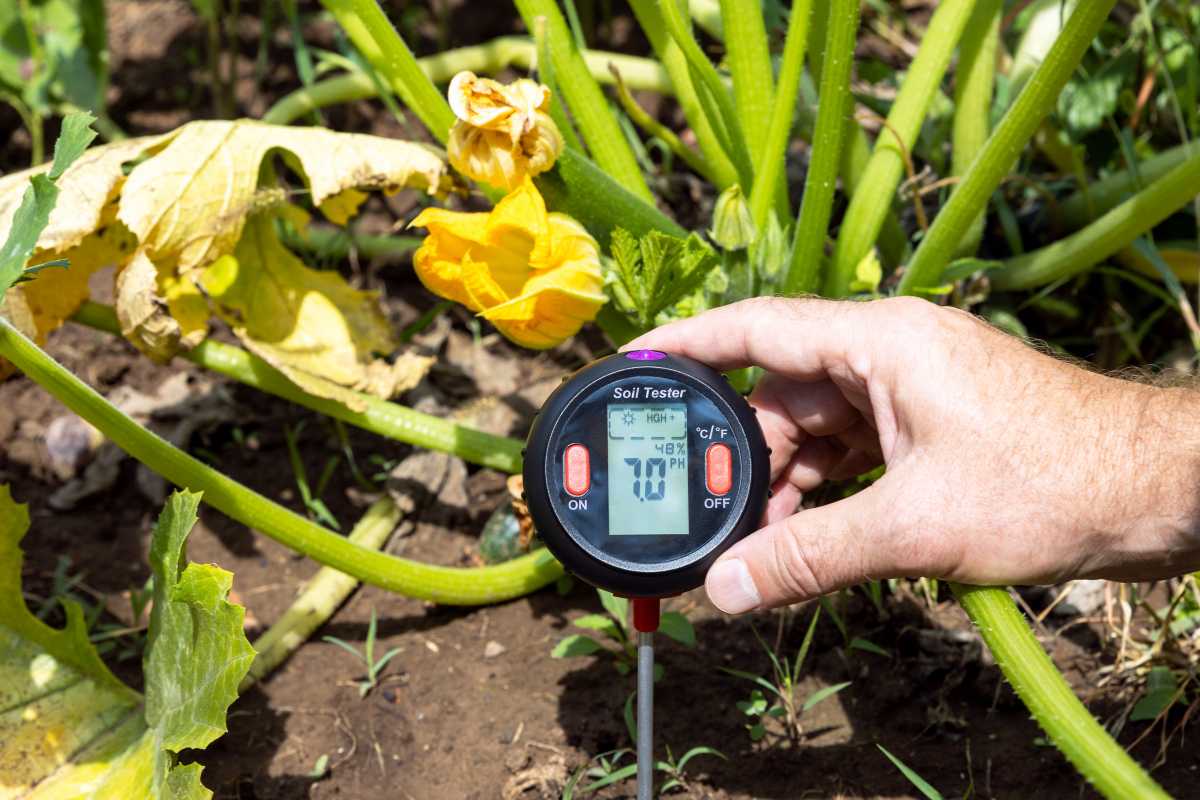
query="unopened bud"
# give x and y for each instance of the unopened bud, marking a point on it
(732, 225)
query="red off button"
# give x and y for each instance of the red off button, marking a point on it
(577, 470)
(718, 469)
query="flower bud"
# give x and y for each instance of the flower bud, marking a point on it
(732, 225)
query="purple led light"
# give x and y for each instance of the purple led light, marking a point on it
(645, 355)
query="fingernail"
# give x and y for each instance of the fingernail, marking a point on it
(730, 587)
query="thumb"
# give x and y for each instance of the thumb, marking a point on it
(806, 555)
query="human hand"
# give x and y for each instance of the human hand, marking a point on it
(1004, 465)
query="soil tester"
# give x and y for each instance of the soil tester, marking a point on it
(640, 470)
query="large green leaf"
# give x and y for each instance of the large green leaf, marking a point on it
(68, 727)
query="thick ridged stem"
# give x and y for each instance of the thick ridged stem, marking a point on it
(974, 81)
(369, 30)
(390, 420)
(876, 191)
(1046, 694)
(594, 119)
(713, 94)
(486, 59)
(772, 163)
(1004, 146)
(449, 585)
(323, 594)
(1106, 236)
(804, 272)
(673, 61)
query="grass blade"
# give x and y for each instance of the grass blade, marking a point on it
(916, 780)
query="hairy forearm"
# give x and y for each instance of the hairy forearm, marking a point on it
(1156, 507)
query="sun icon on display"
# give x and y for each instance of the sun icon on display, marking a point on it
(628, 418)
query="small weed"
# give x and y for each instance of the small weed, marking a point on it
(367, 656)
(311, 496)
(606, 769)
(916, 780)
(780, 700)
(615, 629)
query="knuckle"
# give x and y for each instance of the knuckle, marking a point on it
(797, 576)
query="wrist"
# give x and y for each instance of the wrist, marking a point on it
(1154, 526)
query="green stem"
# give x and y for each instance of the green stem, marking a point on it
(584, 98)
(750, 65)
(1046, 694)
(673, 60)
(974, 81)
(1004, 146)
(720, 108)
(387, 419)
(545, 73)
(368, 28)
(323, 594)
(869, 205)
(652, 127)
(772, 163)
(821, 181)
(856, 151)
(517, 52)
(449, 585)
(578, 187)
(1091, 201)
(1104, 237)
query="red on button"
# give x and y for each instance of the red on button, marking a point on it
(577, 470)
(718, 469)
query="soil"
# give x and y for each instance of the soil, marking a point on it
(473, 706)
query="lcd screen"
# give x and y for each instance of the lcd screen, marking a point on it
(647, 469)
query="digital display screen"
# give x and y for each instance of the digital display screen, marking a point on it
(647, 469)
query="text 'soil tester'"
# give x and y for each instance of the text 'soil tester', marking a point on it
(640, 470)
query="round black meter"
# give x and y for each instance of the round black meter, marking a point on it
(641, 469)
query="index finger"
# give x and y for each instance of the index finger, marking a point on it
(803, 338)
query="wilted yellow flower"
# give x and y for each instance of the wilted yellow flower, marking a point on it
(504, 132)
(535, 276)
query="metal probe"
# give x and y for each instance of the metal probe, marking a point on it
(645, 716)
(645, 622)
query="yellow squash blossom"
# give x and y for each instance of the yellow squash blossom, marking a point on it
(504, 132)
(535, 275)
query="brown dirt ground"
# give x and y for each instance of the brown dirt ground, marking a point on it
(447, 722)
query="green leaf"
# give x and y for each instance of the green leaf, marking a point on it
(698, 751)
(750, 676)
(575, 645)
(858, 643)
(1086, 102)
(757, 731)
(72, 728)
(599, 622)
(33, 214)
(196, 650)
(1161, 689)
(658, 270)
(617, 606)
(822, 694)
(913, 778)
(966, 267)
(676, 626)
